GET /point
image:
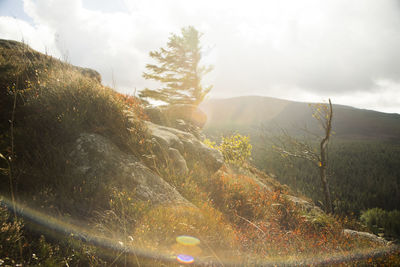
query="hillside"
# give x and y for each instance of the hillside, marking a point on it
(92, 177)
(363, 152)
(250, 112)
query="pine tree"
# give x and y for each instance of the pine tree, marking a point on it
(178, 70)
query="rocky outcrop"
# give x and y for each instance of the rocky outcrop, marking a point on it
(367, 236)
(270, 184)
(177, 162)
(185, 117)
(187, 145)
(304, 204)
(156, 115)
(189, 113)
(100, 161)
(89, 73)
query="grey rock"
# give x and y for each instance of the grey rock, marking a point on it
(97, 159)
(156, 115)
(365, 235)
(304, 204)
(185, 117)
(90, 73)
(177, 162)
(164, 137)
(190, 148)
(188, 113)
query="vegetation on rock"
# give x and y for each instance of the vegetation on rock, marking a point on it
(384, 222)
(88, 176)
(236, 149)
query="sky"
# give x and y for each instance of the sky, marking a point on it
(308, 50)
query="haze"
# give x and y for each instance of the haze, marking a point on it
(297, 50)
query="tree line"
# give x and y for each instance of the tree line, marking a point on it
(362, 174)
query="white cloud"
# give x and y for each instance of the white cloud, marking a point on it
(39, 38)
(385, 97)
(295, 49)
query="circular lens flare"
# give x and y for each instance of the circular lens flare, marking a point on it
(185, 259)
(186, 250)
(187, 240)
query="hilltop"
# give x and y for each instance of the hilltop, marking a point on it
(248, 113)
(98, 178)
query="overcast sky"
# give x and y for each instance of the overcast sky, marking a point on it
(300, 50)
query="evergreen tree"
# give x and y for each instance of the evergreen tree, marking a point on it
(178, 70)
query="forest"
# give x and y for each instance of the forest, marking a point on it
(362, 174)
(363, 151)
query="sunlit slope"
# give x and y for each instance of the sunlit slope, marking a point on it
(106, 186)
(248, 113)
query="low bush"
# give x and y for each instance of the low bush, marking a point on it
(380, 221)
(236, 149)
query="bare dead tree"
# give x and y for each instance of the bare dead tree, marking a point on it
(290, 146)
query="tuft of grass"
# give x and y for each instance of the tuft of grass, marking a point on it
(120, 220)
(36, 251)
(159, 228)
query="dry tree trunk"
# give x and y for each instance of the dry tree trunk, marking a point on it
(324, 160)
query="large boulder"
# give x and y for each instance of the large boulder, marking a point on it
(188, 113)
(156, 115)
(98, 160)
(190, 148)
(185, 117)
(177, 162)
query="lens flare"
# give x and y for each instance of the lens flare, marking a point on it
(187, 250)
(186, 246)
(185, 259)
(187, 240)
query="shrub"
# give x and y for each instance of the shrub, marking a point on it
(380, 221)
(392, 225)
(236, 149)
(10, 236)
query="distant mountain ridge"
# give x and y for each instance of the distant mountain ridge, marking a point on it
(246, 113)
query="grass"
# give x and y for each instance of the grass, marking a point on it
(55, 103)
(229, 212)
(36, 251)
(265, 224)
